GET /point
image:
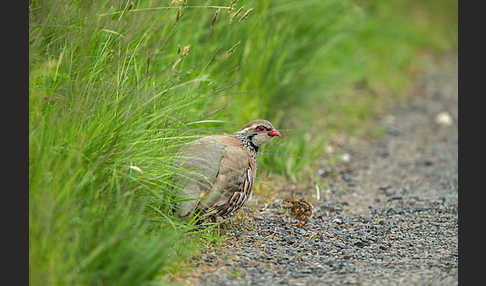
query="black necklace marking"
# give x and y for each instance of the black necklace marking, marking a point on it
(253, 146)
(248, 143)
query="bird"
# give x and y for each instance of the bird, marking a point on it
(298, 209)
(216, 173)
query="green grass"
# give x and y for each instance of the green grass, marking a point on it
(112, 96)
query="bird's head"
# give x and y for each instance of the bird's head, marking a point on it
(258, 132)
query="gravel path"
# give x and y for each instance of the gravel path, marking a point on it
(388, 218)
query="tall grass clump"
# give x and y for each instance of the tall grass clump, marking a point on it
(115, 87)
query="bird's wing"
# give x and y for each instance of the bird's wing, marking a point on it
(198, 164)
(233, 182)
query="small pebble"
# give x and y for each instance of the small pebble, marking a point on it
(329, 149)
(443, 119)
(345, 157)
(338, 221)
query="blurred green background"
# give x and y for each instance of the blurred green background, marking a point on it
(115, 87)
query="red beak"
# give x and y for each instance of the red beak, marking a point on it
(274, 132)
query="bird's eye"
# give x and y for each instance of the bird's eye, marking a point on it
(261, 128)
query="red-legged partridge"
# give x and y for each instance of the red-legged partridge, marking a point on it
(218, 172)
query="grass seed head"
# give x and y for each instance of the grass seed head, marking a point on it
(235, 14)
(215, 17)
(233, 48)
(246, 15)
(186, 50)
